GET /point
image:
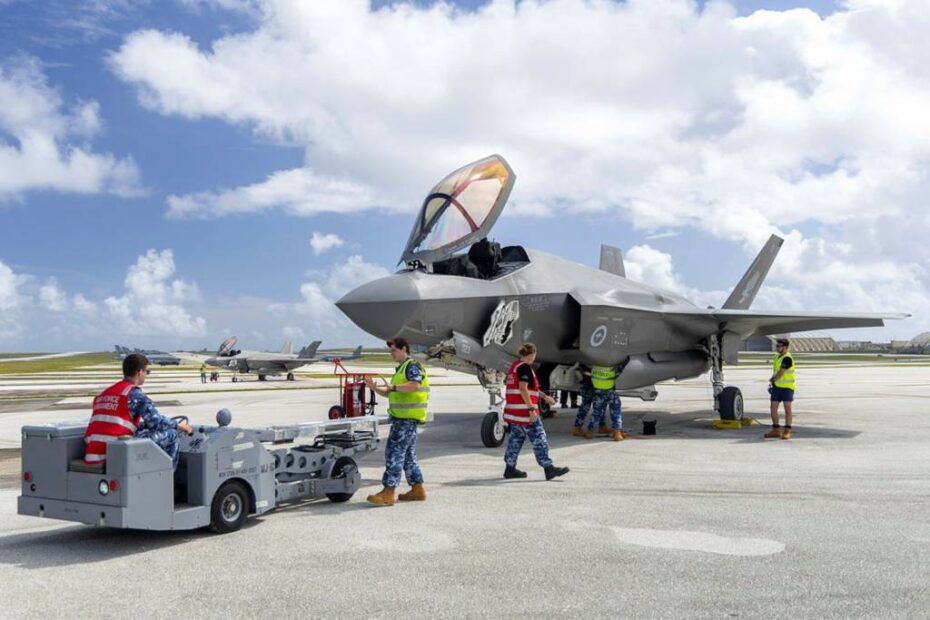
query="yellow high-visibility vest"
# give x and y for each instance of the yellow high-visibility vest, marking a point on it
(603, 377)
(787, 379)
(409, 405)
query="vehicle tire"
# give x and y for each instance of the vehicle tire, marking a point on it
(336, 412)
(545, 409)
(290, 376)
(230, 507)
(262, 377)
(731, 403)
(343, 464)
(235, 379)
(492, 430)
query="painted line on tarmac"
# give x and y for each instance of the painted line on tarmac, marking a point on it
(684, 540)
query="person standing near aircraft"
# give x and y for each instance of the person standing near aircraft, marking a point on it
(123, 409)
(604, 379)
(408, 395)
(587, 397)
(781, 387)
(203, 373)
(520, 411)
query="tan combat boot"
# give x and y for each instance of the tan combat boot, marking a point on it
(384, 498)
(617, 435)
(578, 432)
(416, 494)
(775, 433)
(786, 434)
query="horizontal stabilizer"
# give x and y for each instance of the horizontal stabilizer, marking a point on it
(612, 261)
(745, 292)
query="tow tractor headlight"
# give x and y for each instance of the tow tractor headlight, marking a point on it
(103, 487)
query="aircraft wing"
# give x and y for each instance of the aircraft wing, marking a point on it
(748, 322)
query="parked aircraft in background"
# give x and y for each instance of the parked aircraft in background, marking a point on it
(264, 364)
(155, 357)
(472, 310)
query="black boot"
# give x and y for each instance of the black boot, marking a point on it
(513, 472)
(554, 472)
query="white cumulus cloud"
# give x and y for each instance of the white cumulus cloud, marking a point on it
(43, 142)
(324, 242)
(317, 309)
(673, 115)
(153, 302)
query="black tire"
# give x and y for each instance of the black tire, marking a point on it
(545, 409)
(731, 403)
(336, 412)
(262, 377)
(290, 376)
(343, 464)
(230, 508)
(235, 379)
(492, 430)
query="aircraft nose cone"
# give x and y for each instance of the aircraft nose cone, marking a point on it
(382, 307)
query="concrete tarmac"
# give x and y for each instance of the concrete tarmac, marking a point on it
(693, 522)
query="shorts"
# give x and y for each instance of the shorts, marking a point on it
(782, 395)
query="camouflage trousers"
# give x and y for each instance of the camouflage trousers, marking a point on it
(537, 437)
(603, 398)
(166, 439)
(587, 397)
(400, 454)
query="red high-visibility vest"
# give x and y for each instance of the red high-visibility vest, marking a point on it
(515, 410)
(110, 419)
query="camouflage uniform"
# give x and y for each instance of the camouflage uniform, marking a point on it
(400, 454)
(587, 396)
(603, 398)
(537, 436)
(400, 451)
(163, 431)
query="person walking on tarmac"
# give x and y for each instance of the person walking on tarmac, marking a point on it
(123, 410)
(407, 394)
(520, 411)
(587, 397)
(781, 387)
(604, 379)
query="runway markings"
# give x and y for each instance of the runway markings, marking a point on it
(704, 542)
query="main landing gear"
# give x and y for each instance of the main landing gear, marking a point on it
(728, 400)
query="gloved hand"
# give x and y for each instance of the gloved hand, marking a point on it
(771, 387)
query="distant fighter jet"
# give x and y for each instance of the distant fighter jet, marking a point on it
(155, 357)
(264, 364)
(471, 310)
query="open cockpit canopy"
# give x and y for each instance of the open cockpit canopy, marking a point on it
(460, 210)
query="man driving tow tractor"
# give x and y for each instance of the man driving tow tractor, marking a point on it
(123, 410)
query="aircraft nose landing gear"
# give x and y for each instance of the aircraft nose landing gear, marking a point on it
(493, 427)
(728, 400)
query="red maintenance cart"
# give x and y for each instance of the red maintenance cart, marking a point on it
(355, 399)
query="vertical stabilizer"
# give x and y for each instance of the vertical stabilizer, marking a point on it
(309, 351)
(287, 349)
(612, 261)
(745, 292)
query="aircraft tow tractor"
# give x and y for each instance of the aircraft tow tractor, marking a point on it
(224, 473)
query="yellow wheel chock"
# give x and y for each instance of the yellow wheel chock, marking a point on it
(733, 424)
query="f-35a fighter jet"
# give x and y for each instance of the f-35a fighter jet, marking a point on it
(264, 364)
(472, 309)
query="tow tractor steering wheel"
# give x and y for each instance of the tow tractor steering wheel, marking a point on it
(181, 418)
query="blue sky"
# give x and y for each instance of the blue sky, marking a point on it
(87, 241)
